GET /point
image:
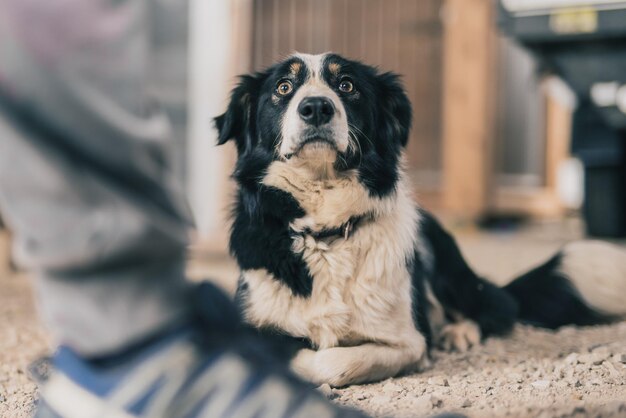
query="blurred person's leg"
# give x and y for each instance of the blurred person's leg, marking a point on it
(84, 180)
(84, 185)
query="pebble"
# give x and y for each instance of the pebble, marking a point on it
(541, 384)
(576, 383)
(436, 402)
(613, 372)
(595, 358)
(391, 388)
(361, 396)
(581, 369)
(571, 359)
(380, 400)
(439, 381)
(421, 403)
(466, 403)
(561, 384)
(622, 358)
(569, 373)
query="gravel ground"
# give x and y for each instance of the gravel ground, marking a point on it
(22, 339)
(574, 372)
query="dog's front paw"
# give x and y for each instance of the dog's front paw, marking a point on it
(424, 363)
(303, 364)
(459, 336)
(332, 366)
(290, 179)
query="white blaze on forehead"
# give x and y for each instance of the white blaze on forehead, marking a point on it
(313, 63)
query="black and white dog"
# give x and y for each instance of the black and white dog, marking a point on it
(334, 252)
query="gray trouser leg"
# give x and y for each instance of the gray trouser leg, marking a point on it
(84, 178)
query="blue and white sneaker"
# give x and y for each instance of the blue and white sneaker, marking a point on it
(209, 368)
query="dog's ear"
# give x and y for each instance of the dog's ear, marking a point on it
(395, 121)
(235, 122)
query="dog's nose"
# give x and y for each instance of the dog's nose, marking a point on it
(316, 111)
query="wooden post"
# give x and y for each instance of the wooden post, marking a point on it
(468, 105)
(558, 137)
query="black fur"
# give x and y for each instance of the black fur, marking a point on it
(459, 289)
(548, 299)
(420, 304)
(260, 235)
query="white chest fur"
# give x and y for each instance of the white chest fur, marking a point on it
(361, 285)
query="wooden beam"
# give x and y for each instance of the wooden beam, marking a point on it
(468, 105)
(536, 202)
(558, 138)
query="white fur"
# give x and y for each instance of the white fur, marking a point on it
(598, 270)
(313, 63)
(292, 124)
(359, 314)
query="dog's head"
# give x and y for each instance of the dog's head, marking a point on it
(326, 108)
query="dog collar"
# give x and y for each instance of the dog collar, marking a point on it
(345, 231)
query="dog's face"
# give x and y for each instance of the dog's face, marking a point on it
(312, 106)
(312, 112)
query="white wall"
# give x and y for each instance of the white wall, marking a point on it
(210, 80)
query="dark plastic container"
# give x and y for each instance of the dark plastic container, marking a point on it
(602, 152)
(605, 205)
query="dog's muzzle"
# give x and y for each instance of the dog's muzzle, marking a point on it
(316, 136)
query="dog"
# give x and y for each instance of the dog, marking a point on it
(338, 260)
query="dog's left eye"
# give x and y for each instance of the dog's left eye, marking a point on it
(284, 87)
(346, 85)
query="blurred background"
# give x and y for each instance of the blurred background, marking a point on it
(506, 137)
(517, 143)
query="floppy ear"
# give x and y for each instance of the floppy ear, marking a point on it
(235, 122)
(395, 122)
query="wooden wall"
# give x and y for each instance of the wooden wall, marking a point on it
(404, 36)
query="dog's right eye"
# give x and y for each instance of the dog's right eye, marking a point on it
(346, 85)
(284, 88)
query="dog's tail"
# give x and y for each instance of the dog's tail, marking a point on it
(584, 284)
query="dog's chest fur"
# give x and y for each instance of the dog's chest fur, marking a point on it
(361, 285)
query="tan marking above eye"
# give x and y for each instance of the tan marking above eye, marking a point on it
(295, 68)
(284, 88)
(334, 68)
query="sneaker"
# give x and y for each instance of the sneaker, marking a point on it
(210, 367)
